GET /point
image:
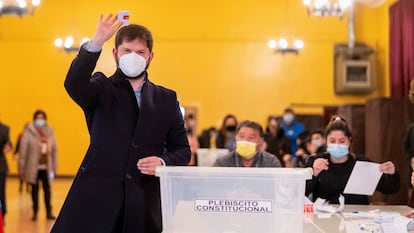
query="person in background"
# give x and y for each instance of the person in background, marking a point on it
(16, 158)
(192, 140)
(292, 128)
(318, 142)
(248, 152)
(38, 160)
(207, 138)
(331, 170)
(276, 141)
(226, 134)
(5, 146)
(411, 213)
(309, 144)
(134, 126)
(288, 161)
(408, 144)
(302, 153)
(411, 91)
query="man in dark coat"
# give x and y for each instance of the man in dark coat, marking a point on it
(5, 146)
(134, 126)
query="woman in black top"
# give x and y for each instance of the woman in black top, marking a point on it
(331, 170)
(276, 141)
(226, 137)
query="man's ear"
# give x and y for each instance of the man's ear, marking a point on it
(115, 54)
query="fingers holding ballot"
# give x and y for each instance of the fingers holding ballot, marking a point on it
(320, 165)
(387, 167)
(107, 27)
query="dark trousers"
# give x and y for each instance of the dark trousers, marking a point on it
(42, 176)
(3, 193)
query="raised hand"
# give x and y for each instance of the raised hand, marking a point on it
(106, 29)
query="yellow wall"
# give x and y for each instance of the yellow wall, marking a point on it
(373, 27)
(214, 54)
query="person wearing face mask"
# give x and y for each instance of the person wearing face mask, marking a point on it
(292, 128)
(134, 126)
(248, 152)
(318, 142)
(331, 170)
(38, 160)
(276, 141)
(309, 144)
(227, 133)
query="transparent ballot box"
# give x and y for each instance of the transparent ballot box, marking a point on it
(207, 156)
(232, 200)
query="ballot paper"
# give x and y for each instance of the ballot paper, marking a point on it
(323, 206)
(364, 178)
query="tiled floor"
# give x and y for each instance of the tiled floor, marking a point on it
(19, 207)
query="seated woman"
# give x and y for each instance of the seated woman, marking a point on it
(331, 170)
(411, 213)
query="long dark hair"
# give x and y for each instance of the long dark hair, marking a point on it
(221, 139)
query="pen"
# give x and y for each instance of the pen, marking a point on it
(369, 230)
(373, 229)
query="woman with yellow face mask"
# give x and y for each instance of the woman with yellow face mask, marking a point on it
(249, 149)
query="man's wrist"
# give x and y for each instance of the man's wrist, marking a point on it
(91, 47)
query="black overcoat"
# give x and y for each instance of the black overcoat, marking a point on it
(4, 139)
(108, 181)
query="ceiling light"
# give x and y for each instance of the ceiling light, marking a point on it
(18, 7)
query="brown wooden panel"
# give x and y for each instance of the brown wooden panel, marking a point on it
(355, 115)
(386, 121)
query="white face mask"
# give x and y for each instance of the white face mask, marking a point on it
(288, 118)
(132, 64)
(39, 122)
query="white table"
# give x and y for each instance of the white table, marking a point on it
(313, 224)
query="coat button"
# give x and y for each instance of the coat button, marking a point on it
(134, 145)
(128, 176)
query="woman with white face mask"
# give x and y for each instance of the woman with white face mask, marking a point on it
(331, 170)
(38, 160)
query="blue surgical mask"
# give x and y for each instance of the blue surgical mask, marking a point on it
(338, 151)
(288, 118)
(39, 122)
(317, 142)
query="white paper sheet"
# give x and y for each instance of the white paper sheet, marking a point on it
(364, 178)
(323, 206)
